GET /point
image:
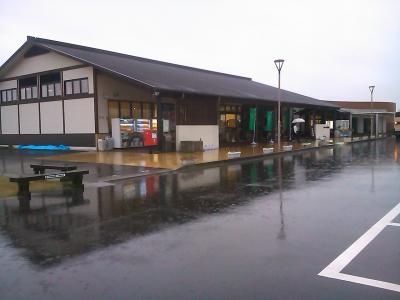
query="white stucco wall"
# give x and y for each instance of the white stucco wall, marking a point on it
(109, 87)
(80, 73)
(29, 118)
(51, 117)
(207, 133)
(6, 85)
(79, 116)
(40, 63)
(9, 119)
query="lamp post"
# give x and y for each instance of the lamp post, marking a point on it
(371, 89)
(279, 64)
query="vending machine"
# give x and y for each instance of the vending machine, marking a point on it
(122, 131)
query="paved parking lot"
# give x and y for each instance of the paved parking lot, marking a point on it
(315, 225)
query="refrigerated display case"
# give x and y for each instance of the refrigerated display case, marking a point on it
(122, 131)
(142, 125)
(133, 132)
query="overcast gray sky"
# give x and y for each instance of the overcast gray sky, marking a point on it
(332, 49)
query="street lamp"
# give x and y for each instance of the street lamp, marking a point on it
(279, 64)
(371, 89)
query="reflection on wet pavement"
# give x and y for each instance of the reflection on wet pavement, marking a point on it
(62, 225)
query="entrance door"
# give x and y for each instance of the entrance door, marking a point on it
(169, 126)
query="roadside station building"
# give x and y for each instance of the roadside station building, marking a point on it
(59, 93)
(366, 118)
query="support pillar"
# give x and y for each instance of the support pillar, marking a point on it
(290, 122)
(160, 138)
(313, 126)
(275, 114)
(351, 125)
(334, 123)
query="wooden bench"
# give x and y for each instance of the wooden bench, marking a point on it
(39, 169)
(74, 176)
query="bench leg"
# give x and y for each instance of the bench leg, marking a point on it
(23, 189)
(77, 180)
(77, 195)
(24, 196)
(24, 204)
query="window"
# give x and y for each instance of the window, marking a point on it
(68, 87)
(50, 85)
(28, 92)
(77, 86)
(22, 93)
(136, 110)
(147, 110)
(34, 92)
(84, 86)
(44, 91)
(130, 109)
(8, 95)
(230, 115)
(125, 110)
(28, 88)
(50, 89)
(57, 88)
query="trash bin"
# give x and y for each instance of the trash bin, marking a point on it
(101, 145)
(167, 144)
(109, 143)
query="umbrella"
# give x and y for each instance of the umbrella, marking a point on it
(298, 120)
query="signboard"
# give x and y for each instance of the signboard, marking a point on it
(165, 125)
(54, 176)
(342, 124)
(342, 128)
(322, 131)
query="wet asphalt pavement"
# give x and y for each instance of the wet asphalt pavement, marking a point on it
(260, 229)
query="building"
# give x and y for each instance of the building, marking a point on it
(373, 119)
(60, 93)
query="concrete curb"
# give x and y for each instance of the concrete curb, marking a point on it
(227, 161)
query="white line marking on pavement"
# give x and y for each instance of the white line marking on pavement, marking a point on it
(333, 270)
(394, 224)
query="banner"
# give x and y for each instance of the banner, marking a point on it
(268, 121)
(252, 117)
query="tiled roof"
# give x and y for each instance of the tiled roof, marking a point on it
(162, 76)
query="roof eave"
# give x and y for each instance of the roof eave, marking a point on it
(13, 57)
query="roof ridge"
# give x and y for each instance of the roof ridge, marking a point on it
(41, 40)
(363, 101)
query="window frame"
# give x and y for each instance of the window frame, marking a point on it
(47, 89)
(73, 82)
(7, 95)
(24, 89)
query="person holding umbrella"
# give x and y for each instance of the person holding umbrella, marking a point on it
(296, 128)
